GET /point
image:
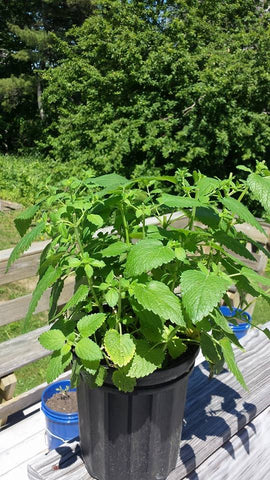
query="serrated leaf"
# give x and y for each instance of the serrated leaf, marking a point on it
(233, 244)
(255, 277)
(95, 220)
(146, 360)
(146, 255)
(25, 243)
(23, 221)
(122, 382)
(111, 297)
(260, 187)
(88, 270)
(90, 324)
(179, 202)
(151, 325)
(88, 350)
(120, 348)
(207, 216)
(80, 295)
(207, 185)
(99, 377)
(57, 365)
(242, 212)
(90, 367)
(176, 347)
(50, 277)
(158, 298)
(230, 360)
(115, 249)
(52, 340)
(209, 348)
(201, 292)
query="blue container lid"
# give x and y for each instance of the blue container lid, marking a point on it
(59, 417)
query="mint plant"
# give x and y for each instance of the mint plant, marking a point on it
(144, 293)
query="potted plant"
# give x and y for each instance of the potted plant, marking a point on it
(146, 298)
(59, 405)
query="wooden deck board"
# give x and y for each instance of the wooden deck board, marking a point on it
(216, 411)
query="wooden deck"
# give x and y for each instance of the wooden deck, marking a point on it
(225, 435)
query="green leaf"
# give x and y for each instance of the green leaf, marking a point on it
(90, 324)
(52, 340)
(122, 382)
(266, 331)
(230, 360)
(260, 187)
(146, 360)
(242, 212)
(111, 297)
(176, 347)
(23, 221)
(109, 180)
(115, 249)
(233, 244)
(146, 255)
(158, 298)
(100, 376)
(209, 348)
(207, 185)
(54, 297)
(50, 277)
(207, 216)
(25, 243)
(222, 322)
(180, 253)
(95, 219)
(75, 374)
(151, 325)
(201, 292)
(255, 277)
(80, 294)
(179, 202)
(120, 348)
(57, 365)
(88, 350)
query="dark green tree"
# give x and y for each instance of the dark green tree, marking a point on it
(29, 38)
(158, 84)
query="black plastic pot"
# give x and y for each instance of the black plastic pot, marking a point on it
(134, 436)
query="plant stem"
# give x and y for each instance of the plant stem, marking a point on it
(125, 224)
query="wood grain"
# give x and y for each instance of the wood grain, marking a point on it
(21, 351)
(244, 457)
(26, 266)
(16, 309)
(215, 412)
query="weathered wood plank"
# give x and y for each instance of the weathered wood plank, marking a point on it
(27, 398)
(7, 206)
(215, 411)
(21, 351)
(244, 457)
(7, 389)
(16, 309)
(26, 266)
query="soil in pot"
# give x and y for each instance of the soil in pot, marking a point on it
(63, 402)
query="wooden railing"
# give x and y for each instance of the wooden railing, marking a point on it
(24, 349)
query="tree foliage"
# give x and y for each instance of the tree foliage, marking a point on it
(160, 84)
(29, 38)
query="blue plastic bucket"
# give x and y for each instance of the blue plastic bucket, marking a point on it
(60, 427)
(239, 330)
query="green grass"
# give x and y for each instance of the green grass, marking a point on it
(8, 233)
